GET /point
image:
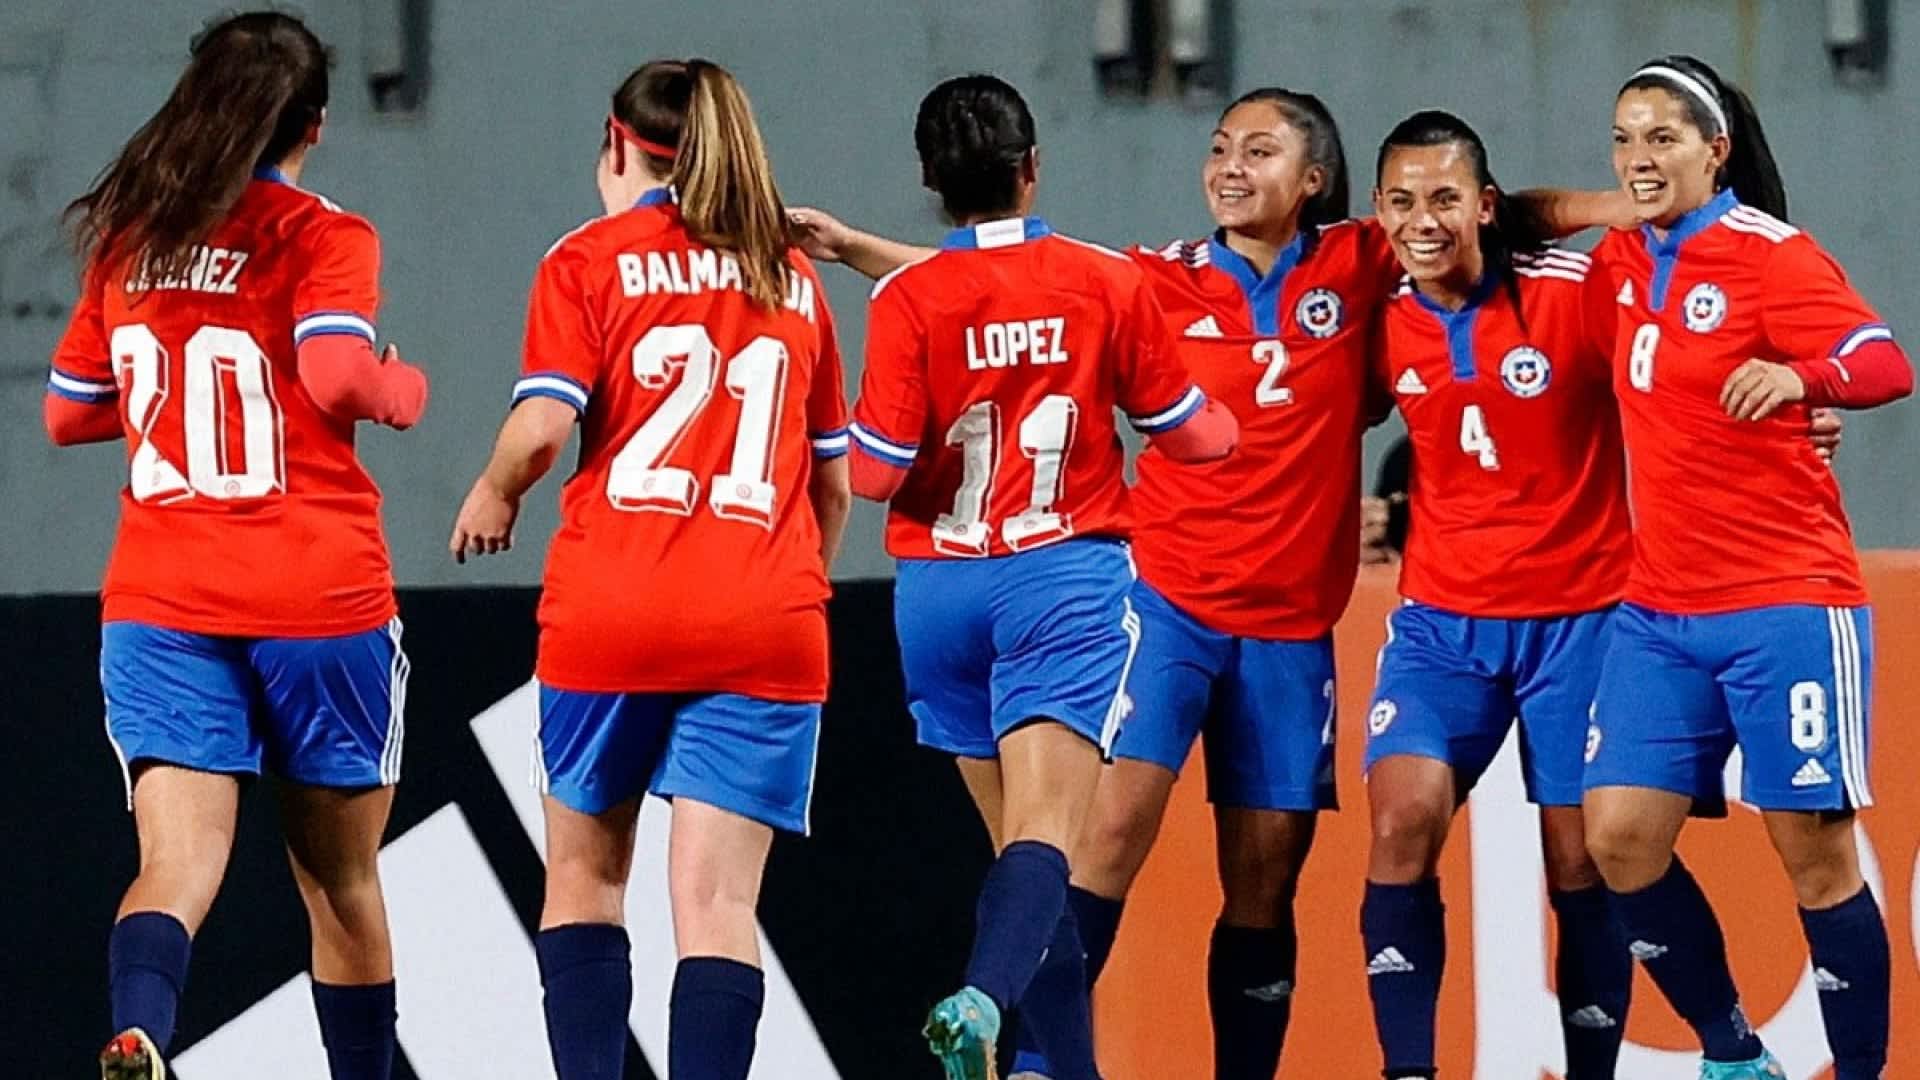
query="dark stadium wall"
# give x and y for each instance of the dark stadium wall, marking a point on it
(470, 190)
(869, 918)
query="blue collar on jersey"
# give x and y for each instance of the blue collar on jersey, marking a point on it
(1262, 293)
(659, 196)
(1459, 324)
(1667, 252)
(1005, 232)
(272, 174)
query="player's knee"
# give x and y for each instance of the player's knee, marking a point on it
(1626, 850)
(583, 888)
(1822, 875)
(1407, 835)
(1114, 844)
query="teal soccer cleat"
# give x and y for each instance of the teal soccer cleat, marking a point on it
(1764, 1067)
(961, 1032)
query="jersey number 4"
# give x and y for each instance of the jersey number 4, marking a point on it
(232, 445)
(640, 479)
(1045, 436)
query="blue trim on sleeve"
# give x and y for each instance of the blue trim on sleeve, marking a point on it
(1181, 411)
(901, 455)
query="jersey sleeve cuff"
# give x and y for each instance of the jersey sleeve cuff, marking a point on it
(1860, 336)
(332, 322)
(830, 444)
(1170, 417)
(85, 391)
(554, 385)
(893, 453)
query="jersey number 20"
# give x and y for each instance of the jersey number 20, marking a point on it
(221, 367)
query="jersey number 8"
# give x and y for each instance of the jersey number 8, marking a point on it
(639, 478)
(1640, 360)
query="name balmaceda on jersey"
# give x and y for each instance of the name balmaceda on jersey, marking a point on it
(698, 270)
(212, 270)
(1034, 342)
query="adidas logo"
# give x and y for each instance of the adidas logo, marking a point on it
(1626, 294)
(1388, 961)
(1206, 327)
(1271, 993)
(1644, 951)
(1592, 1018)
(1409, 383)
(1827, 982)
(1811, 774)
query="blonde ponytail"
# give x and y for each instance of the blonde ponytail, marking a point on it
(728, 197)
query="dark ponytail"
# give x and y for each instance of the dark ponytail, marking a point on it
(1750, 169)
(719, 167)
(1310, 116)
(973, 134)
(1514, 230)
(255, 85)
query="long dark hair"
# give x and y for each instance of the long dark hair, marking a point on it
(1750, 169)
(1514, 229)
(719, 168)
(973, 133)
(254, 86)
(1310, 116)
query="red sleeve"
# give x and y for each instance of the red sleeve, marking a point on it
(893, 404)
(1827, 333)
(1156, 391)
(1374, 250)
(343, 376)
(1600, 311)
(561, 357)
(827, 396)
(338, 292)
(82, 368)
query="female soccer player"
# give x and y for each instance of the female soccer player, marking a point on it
(1516, 554)
(225, 328)
(985, 418)
(1275, 313)
(683, 633)
(1746, 620)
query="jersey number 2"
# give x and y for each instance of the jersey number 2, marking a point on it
(1274, 355)
(221, 368)
(640, 479)
(1045, 436)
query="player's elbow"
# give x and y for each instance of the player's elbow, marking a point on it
(875, 479)
(831, 489)
(1209, 435)
(73, 423)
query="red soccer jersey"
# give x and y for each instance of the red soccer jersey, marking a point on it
(1518, 493)
(993, 370)
(1728, 514)
(1265, 543)
(246, 512)
(688, 554)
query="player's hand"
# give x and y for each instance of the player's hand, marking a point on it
(821, 235)
(1374, 516)
(1758, 387)
(1619, 210)
(407, 390)
(485, 524)
(1824, 430)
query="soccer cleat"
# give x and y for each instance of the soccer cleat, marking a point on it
(131, 1055)
(1764, 1067)
(961, 1032)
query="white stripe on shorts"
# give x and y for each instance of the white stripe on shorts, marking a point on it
(1850, 719)
(1122, 701)
(119, 755)
(397, 673)
(537, 762)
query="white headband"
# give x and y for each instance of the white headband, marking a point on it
(1692, 86)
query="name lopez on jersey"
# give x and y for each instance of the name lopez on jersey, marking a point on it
(697, 270)
(1005, 344)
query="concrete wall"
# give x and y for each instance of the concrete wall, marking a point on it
(469, 192)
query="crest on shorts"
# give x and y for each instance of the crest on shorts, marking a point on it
(1593, 742)
(1706, 307)
(1319, 313)
(1381, 718)
(1525, 372)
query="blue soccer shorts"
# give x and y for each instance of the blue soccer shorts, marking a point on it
(991, 644)
(746, 755)
(1791, 686)
(325, 711)
(1266, 709)
(1451, 686)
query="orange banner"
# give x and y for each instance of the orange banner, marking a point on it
(1498, 1020)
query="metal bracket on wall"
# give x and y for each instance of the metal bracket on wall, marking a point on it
(398, 51)
(1859, 39)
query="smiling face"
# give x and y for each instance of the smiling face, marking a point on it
(1665, 164)
(1432, 204)
(1257, 174)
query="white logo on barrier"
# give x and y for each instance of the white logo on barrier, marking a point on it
(468, 984)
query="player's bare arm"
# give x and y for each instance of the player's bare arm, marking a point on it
(827, 238)
(830, 492)
(530, 441)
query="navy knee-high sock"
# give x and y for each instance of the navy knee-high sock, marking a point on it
(1097, 920)
(587, 970)
(1594, 974)
(147, 956)
(356, 1026)
(1020, 906)
(715, 1018)
(1853, 968)
(1405, 930)
(1672, 930)
(1250, 979)
(1056, 1015)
